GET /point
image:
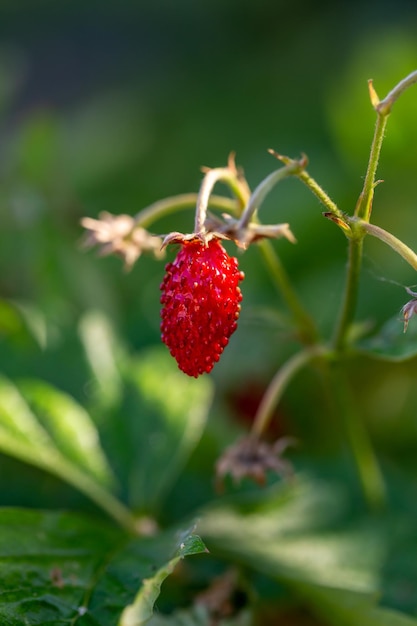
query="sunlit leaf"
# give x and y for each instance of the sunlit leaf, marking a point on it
(141, 610)
(48, 429)
(69, 426)
(102, 350)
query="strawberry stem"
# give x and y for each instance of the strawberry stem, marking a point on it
(396, 244)
(313, 185)
(384, 106)
(364, 204)
(213, 176)
(162, 208)
(361, 226)
(263, 189)
(228, 175)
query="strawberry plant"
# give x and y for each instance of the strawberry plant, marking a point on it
(214, 522)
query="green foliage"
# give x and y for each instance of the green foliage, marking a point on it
(33, 429)
(164, 415)
(170, 413)
(62, 568)
(391, 343)
(141, 610)
(306, 536)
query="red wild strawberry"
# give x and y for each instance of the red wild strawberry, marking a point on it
(200, 298)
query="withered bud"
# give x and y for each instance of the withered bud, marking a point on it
(215, 228)
(408, 311)
(252, 458)
(120, 235)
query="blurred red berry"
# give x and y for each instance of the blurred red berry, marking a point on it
(200, 304)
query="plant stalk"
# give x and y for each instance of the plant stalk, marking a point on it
(364, 206)
(263, 189)
(368, 468)
(278, 385)
(307, 329)
(350, 297)
(362, 211)
(164, 207)
(219, 174)
(229, 175)
(385, 105)
(396, 244)
(73, 475)
(319, 192)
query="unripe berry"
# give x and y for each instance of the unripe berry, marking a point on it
(200, 304)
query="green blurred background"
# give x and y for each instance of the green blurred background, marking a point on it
(109, 106)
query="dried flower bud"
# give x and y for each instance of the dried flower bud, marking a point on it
(252, 458)
(408, 311)
(119, 234)
(228, 227)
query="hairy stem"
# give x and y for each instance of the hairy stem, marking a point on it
(385, 105)
(364, 205)
(313, 185)
(229, 175)
(347, 313)
(164, 207)
(219, 174)
(263, 189)
(321, 195)
(396, 244)
(363, 211)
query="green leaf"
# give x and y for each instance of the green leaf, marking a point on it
(103, 350)
(141, 610)
(49, 426)
(56, 435)
(167, 413)
(69, 426)
(61, 568)
(391, 343)
(295, 534)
